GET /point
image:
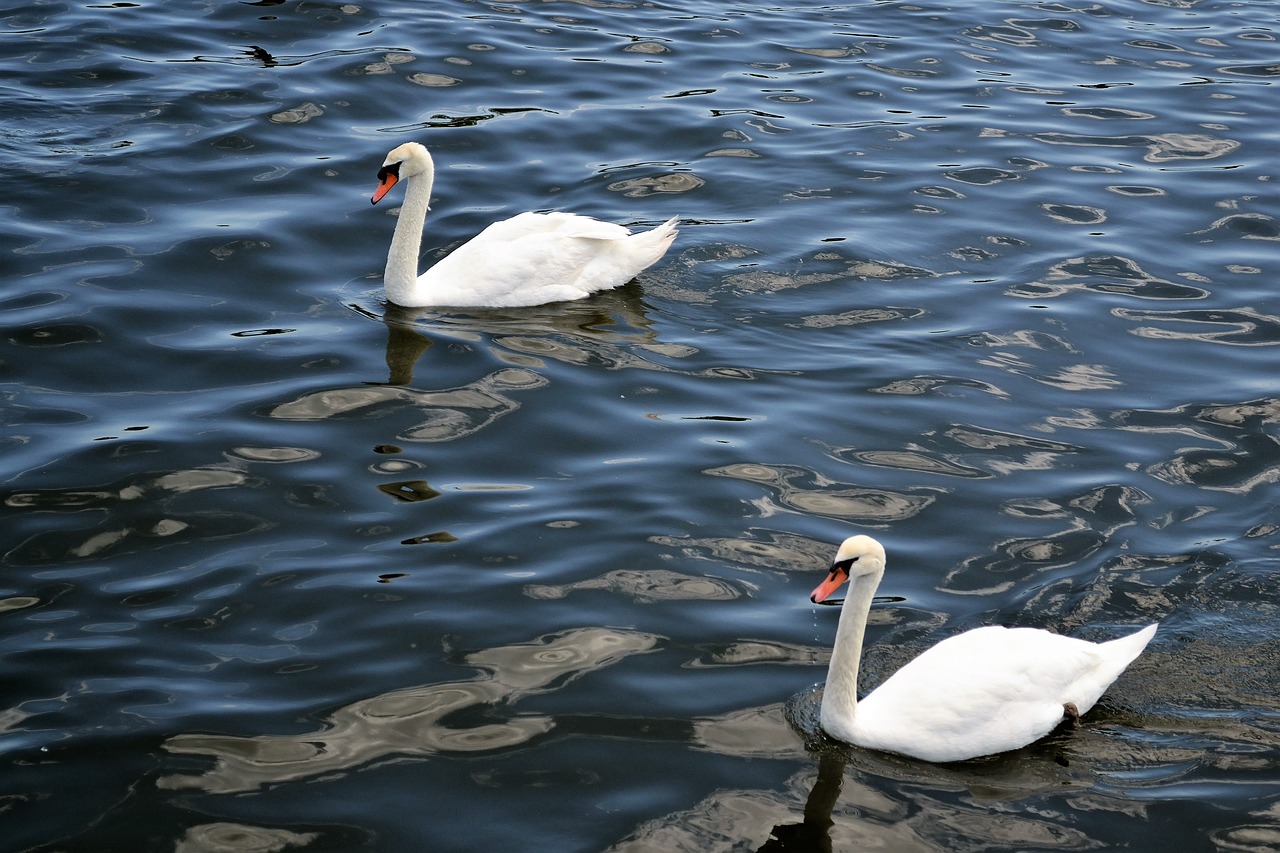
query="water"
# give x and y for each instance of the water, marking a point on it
(286, 570)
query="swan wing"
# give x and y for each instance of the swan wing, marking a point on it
(989, 690)
(548, 224)
(535, 258)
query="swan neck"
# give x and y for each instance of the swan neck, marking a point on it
(401, 273)
(840, 696)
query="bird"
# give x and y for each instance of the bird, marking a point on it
(980, 693)
(529, 259)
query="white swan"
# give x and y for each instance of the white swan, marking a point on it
(985, 691)
(530, 259)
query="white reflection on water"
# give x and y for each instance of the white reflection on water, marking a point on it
(1159, 147)
(747, 652)
(410, 721)
(1102, 273)
(1243, 326)
(450, 413)
(860, 503)
(762, 549)
(242, 838)
(645, 587)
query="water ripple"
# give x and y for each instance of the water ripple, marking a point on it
(1245, 327)
(983, 278)
(410, 721)
(808, 492)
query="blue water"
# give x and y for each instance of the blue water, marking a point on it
(285, 568)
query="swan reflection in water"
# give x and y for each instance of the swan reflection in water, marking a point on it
(608, 329)
(411, 721)
(849, 798)
(604, 328)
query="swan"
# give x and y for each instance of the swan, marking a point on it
(982, 692)
(529, 259)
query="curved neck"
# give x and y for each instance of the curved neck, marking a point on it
(840, 697)
(401, 273)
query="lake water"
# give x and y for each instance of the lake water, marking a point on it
(284, 569)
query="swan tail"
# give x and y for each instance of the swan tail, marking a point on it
(1124, 650)
(651, 245)
(626, 258)
(1116, 656)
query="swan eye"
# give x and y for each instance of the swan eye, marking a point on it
(845, 566)
(392, 170)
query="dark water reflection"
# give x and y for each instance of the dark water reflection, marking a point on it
(285, 568)
(409, 721)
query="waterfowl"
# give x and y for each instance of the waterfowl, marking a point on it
(529, 259)
(979, 693)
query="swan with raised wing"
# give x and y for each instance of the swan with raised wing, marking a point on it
(982, 692)
(529, 259)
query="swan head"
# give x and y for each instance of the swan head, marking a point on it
(859, 556)
(404, 161)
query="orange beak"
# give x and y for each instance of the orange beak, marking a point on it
(823, 591)
(388, 180)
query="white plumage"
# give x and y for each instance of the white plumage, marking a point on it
(529, 259)
(982, 692)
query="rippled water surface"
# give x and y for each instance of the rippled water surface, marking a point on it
(287, 569)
